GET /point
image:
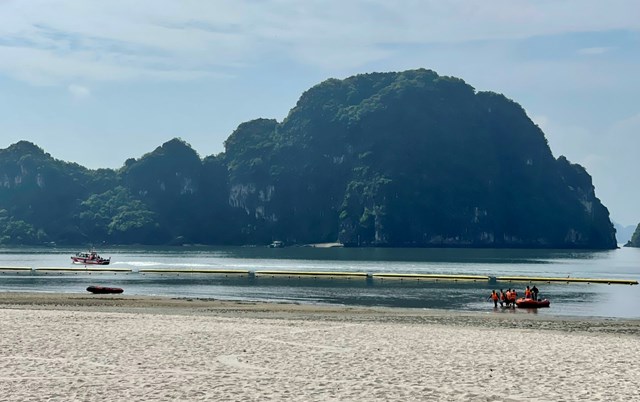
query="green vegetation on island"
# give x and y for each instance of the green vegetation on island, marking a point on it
(409, 159)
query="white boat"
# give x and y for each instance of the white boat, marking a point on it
(89, 258)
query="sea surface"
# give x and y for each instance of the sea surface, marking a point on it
(567, 299)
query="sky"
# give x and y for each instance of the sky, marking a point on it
(98, 82)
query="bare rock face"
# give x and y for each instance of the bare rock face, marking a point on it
(412, 159)
(406, 159)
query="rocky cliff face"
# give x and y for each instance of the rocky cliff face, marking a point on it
(411, 159)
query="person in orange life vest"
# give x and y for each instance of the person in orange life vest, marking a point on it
(507, 296)
(503, 297)
(527, 293)
(495, 298)
(514, 296)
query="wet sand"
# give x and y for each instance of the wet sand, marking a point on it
(117, 347)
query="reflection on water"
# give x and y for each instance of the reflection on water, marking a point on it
(566, 299)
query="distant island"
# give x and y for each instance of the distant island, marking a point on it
(402, 159)
(635, 238)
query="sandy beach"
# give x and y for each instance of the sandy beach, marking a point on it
(79, 347)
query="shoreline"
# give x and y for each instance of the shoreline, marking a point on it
(162, 305)
(141, 348)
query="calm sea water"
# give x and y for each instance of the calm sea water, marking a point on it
(616, 301)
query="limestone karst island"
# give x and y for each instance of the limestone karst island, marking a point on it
(406, 159)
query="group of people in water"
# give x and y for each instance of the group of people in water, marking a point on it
(508, 298)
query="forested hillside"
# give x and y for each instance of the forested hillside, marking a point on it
(385, 159)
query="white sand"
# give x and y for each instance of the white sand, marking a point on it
(141, 350)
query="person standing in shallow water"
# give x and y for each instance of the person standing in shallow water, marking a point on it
(503, 298)
(495, 298)
(534, 292)
(527, 293)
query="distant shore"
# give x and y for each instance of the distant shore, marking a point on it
(83, 347)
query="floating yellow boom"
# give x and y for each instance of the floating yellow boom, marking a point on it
(15, 268)
(435, 277)
(566, 280)
(311, 273)
(337, 274)
(83, 269)
(195, 271)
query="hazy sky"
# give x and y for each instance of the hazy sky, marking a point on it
(97, 82)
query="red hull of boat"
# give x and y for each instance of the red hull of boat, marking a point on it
(85, 261)
(530, 303)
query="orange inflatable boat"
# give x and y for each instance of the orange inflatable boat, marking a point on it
(532, 303)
